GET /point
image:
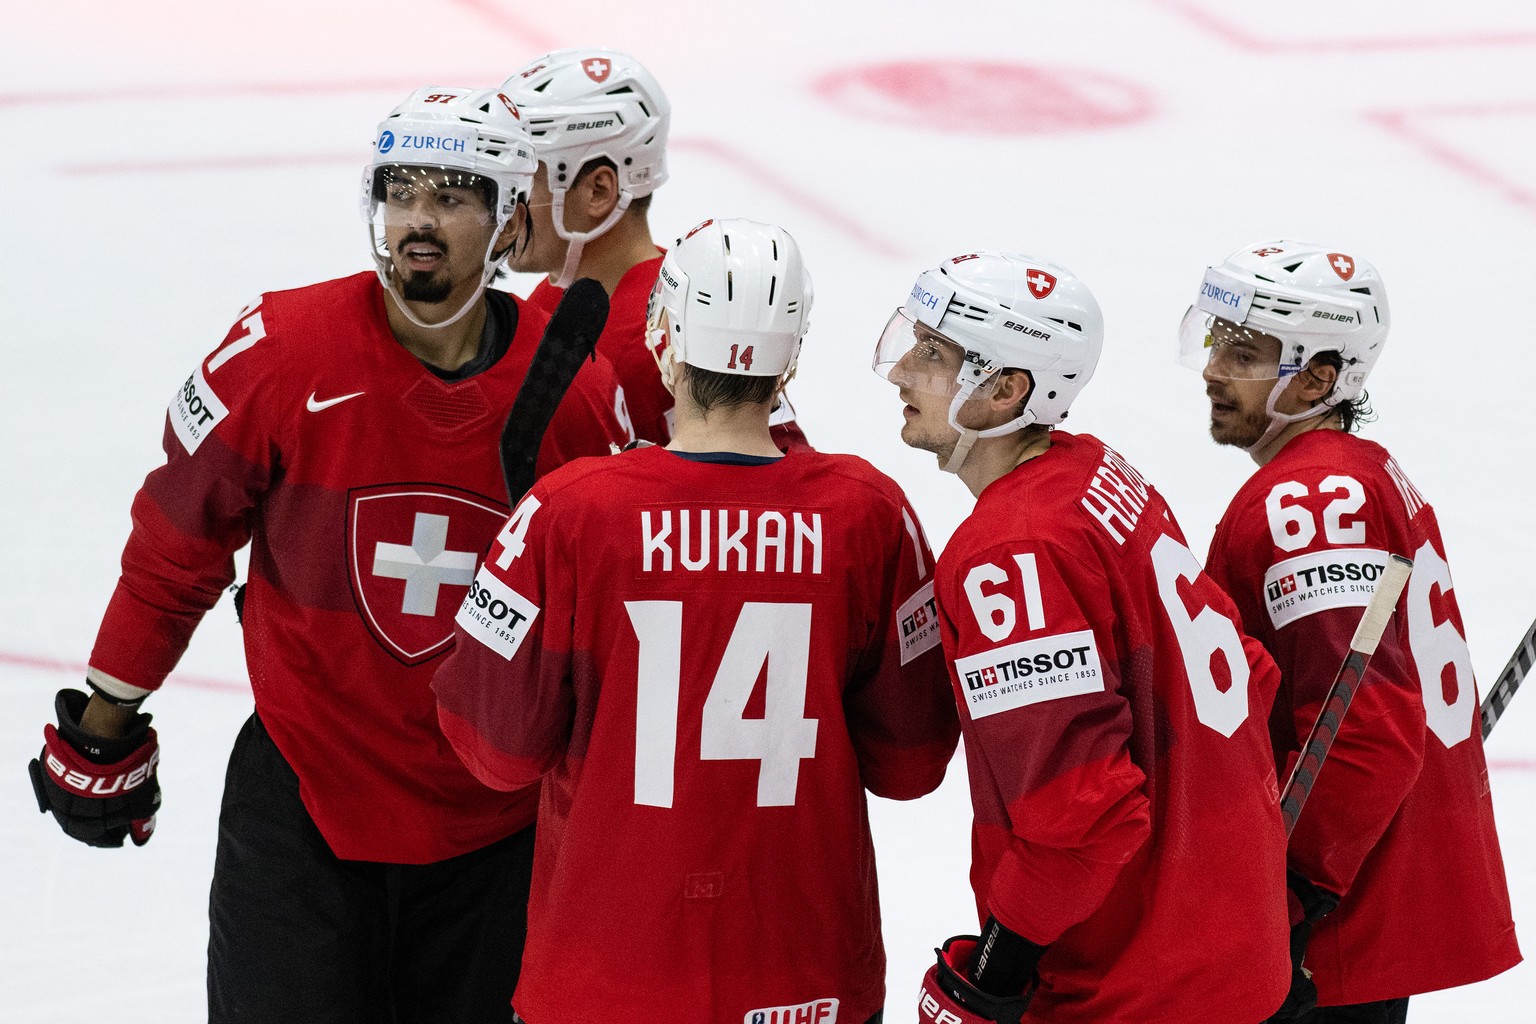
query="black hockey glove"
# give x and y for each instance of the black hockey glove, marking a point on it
(101, 791)
(1309, 905)
(986, 979)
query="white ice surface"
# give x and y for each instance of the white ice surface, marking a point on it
(164, 162)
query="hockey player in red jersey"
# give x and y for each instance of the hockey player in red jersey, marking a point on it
(1394, 862)
(709, 651)
(599, 122)
(348, 431)
(1127, 844)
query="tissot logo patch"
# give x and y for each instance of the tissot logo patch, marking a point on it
(817, 1011)
(412, 551)
(1336, 578)
(1031, 672)
(195, 410)
(917, 623)
(496, 615)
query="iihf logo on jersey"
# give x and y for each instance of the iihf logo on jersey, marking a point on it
(817, 1011)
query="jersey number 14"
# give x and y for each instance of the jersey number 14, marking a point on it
(778, 635)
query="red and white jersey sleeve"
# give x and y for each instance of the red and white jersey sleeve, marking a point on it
(1399, 822)
(368, 488)
(1113, 719)
(222, 451)
(708, 664)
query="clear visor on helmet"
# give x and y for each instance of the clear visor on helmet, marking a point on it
(658, 335)
(1221, 348)
(422, 196)
(916, 357)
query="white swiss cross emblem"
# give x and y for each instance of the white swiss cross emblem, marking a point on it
(412, 551)
(597, 69)
(1040, 283)
(1342, 265)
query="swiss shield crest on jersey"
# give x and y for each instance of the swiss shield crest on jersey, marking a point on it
(412, 550)
(1040, 283)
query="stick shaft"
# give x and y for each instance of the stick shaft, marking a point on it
(1336, 704)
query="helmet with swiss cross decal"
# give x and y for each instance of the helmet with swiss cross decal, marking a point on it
(1313, 299)
(590, 108)
(1007, 311)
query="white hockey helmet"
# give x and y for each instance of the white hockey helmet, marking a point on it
(477, 136)
(1311, 298)
(1005, 311)
(582, 105)
(737, 299)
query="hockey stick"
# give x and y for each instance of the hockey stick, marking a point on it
(1509, 680)
(568, 341)
(1367, 635)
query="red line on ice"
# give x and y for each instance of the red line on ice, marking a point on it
(511, 24)
(77, 669)
(1204, 19)
(760, 173)
(1398, 123)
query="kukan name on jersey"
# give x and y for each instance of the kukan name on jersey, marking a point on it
(730, 540)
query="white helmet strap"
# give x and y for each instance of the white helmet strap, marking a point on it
(577, 240)
(968, 436)
(491, 263)
(1278, 421)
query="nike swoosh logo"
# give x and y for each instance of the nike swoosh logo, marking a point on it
(314, 406)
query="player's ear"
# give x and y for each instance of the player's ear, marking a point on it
(1012, 391)
(1316, 382)
(512, 230)
(600, 192)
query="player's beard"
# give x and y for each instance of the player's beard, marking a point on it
(429, 286)
(1233, 425)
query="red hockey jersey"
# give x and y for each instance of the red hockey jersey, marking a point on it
(1400, 821)
(712, 662)
(369, 489)
(1126, 812)
(624, 344)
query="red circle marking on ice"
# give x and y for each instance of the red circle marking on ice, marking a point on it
(985, 97)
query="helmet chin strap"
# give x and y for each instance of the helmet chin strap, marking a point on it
(969, 437)
(384, 265)
(1278, 421)
(577, 240)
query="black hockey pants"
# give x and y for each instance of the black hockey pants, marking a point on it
(1388, 1011)
(297, 936)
